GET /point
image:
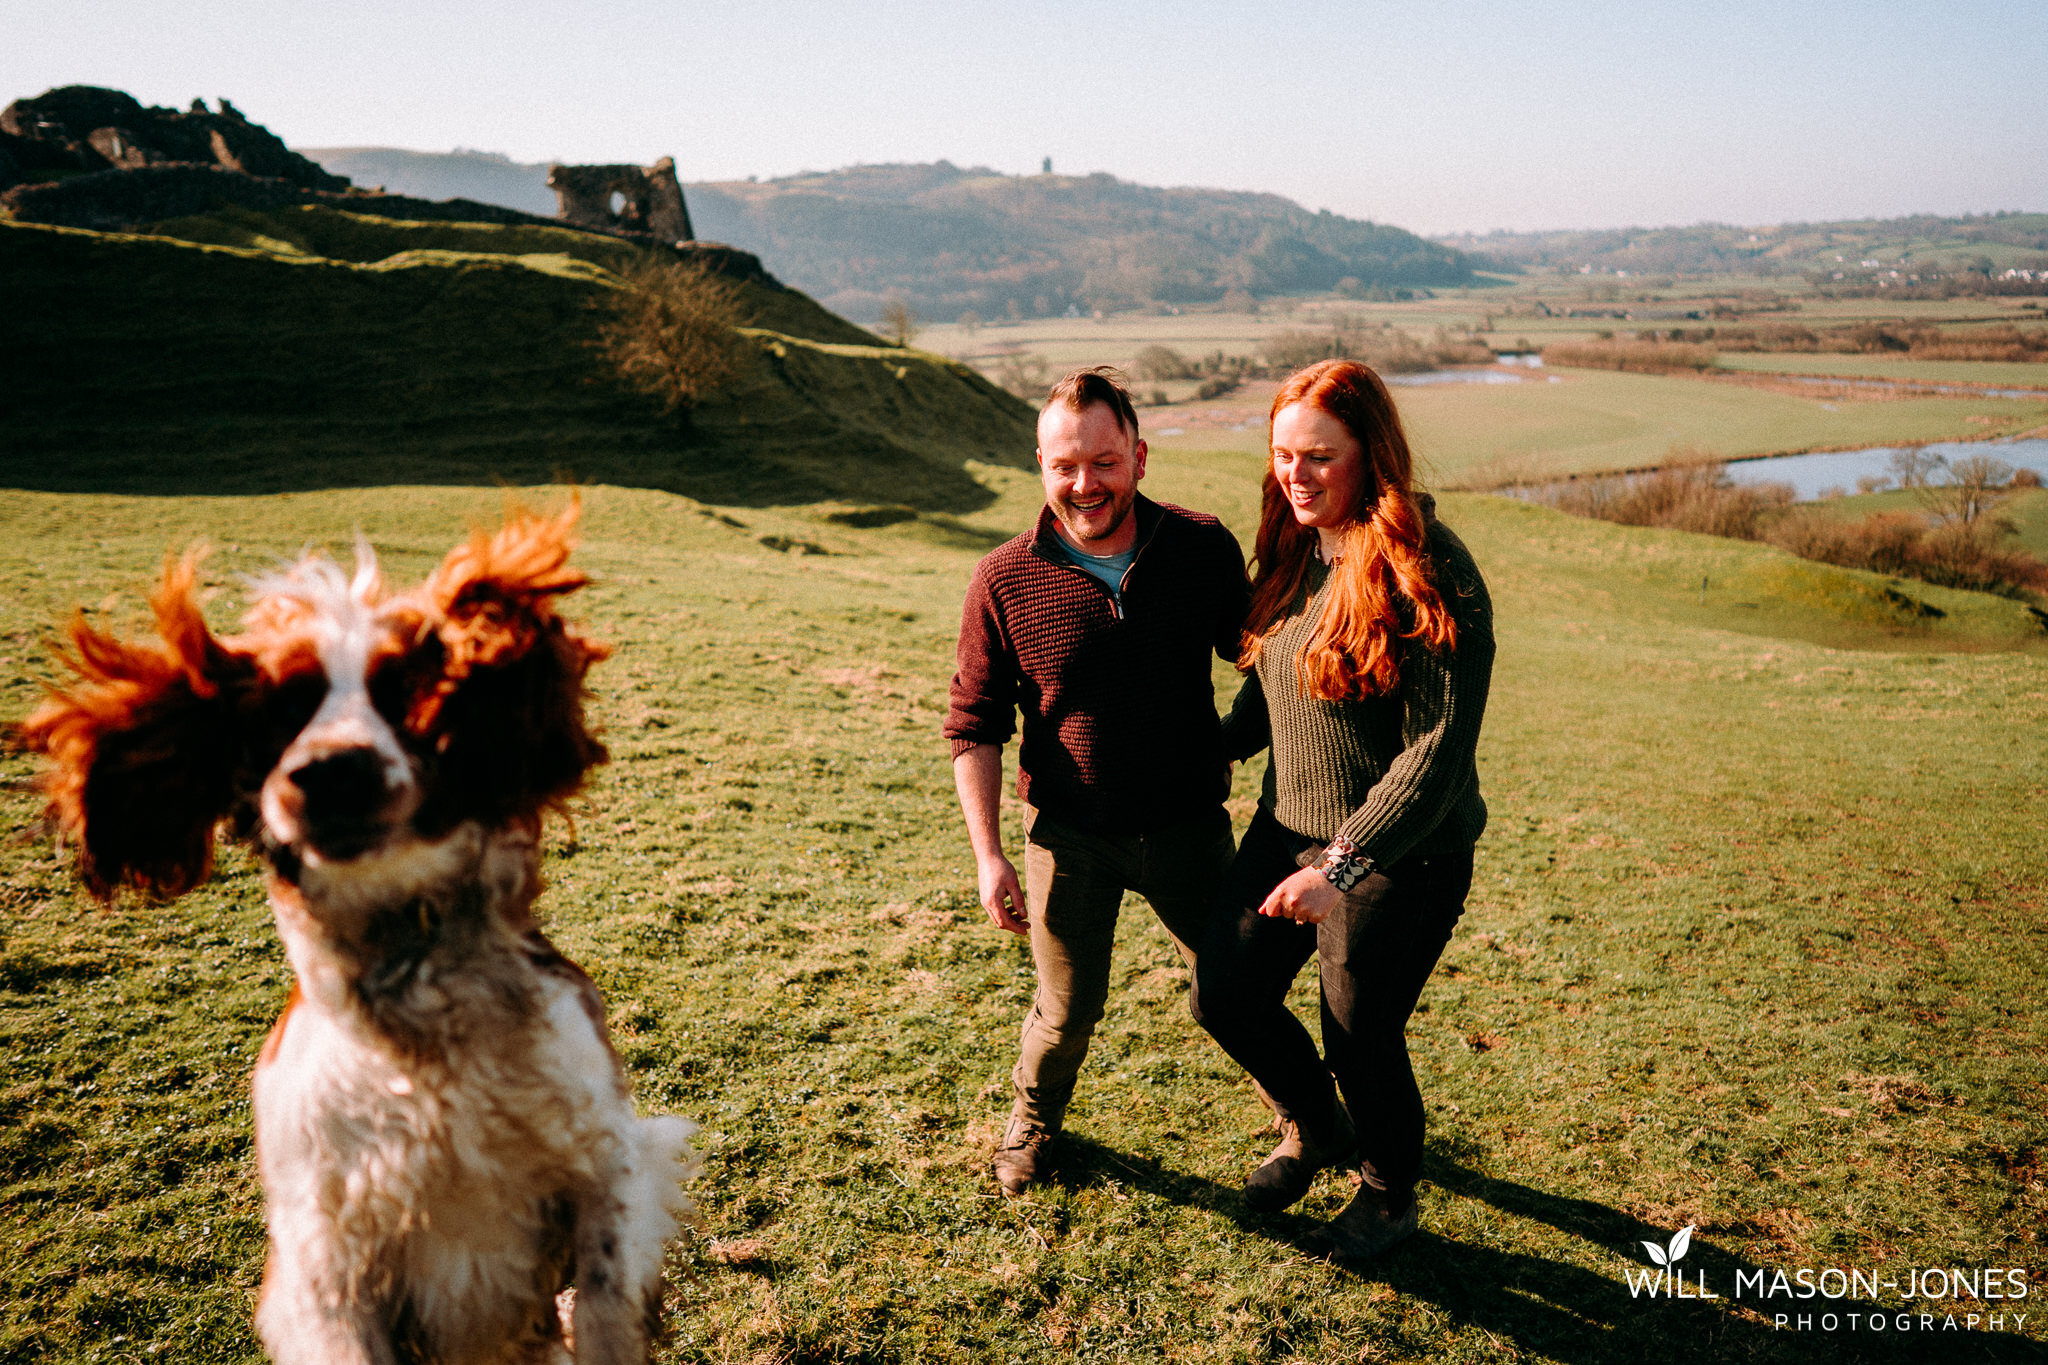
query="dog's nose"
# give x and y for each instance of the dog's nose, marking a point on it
(342, 788)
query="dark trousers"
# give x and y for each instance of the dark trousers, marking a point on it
(1376, 951)
(1074, 884)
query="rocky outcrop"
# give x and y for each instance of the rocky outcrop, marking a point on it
(88, 128)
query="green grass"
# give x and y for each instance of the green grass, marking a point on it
(1890, 367)
(1756, 943)
(159, 365)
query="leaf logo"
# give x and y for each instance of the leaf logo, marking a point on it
(1669, 1256)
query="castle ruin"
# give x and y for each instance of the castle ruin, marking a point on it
(650, 198)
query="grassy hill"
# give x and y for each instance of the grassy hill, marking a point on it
(1997, 241)
(1755, 944)
(309, 347)
(948, 240)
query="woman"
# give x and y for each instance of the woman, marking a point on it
(1369, 646)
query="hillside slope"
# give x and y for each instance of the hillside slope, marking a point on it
(947, 239)
(1981, 243)
(314, 348)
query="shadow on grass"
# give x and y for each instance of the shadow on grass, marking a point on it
(1566, 1312)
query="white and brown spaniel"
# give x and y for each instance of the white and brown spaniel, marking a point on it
(444, 1134)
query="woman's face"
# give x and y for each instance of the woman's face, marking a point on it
(1318, 463)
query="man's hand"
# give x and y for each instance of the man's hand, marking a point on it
(978, 774)
(1001, 895)
(1306, 898)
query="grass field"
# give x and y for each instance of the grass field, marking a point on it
(1593, 420)
(1756, 944)
(1891, 367)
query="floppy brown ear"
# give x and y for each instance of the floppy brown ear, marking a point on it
(143, 747)
(505, 710)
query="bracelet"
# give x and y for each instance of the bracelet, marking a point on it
(1344, 865)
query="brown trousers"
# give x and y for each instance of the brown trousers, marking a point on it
(1074, 884)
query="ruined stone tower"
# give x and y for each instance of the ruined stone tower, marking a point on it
(651, 199)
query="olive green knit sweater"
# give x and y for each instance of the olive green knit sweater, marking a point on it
(1393, 774)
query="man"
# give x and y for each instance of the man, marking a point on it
(1098, 624)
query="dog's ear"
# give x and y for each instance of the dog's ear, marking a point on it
(498, 677)
(143, 747)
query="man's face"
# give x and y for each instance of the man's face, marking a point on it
(1091, 467)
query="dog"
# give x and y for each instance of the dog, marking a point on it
(451, 1164)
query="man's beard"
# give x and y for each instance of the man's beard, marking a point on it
(1068, 516)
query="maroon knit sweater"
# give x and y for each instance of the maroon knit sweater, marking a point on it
(1120, 728)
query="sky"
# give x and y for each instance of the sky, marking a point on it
(1438, 117)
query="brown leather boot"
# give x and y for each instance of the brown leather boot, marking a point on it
(1371, 1223)
(1020, 1160)
(1291, 1167)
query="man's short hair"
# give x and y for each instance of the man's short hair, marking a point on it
(1083, 389)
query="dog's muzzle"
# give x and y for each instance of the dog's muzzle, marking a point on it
(341, 803)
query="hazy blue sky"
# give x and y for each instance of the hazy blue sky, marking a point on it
(1437, 117)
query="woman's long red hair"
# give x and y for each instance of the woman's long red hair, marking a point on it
(1352, 653)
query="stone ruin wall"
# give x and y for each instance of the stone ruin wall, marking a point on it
(651, 199)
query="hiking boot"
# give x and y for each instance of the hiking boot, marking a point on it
(1291, 1167)
(1368, 1226)
(1021, 1161)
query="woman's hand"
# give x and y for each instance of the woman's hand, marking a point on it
(1306, 898)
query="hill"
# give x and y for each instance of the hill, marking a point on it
(304, 347)
(487, 177)
(1985, 245)
(948, 240)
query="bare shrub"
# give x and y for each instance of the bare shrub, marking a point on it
(1699, 497)
(668, 332)
(1640, 357)
(2025, 478)
(1885, 542)
(1158, 363)
(1024, 374)
(900, 322)
(1953, 554)
(1385, 349)
(2003, 342)
(1680, 497)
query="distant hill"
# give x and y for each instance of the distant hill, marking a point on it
(487, 177)
(1985, 244)
(304, 346)
(947, 240)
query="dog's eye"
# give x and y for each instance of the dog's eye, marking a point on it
(391, 689)
(397, 681)
(292, 705)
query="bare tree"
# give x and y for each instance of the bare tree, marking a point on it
(1024, 374)
(1915, 468)
(899, 322)
(1976, 484)
(668, 331)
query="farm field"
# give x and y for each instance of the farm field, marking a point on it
(1756, 946)
(1995, 373)
(1595, 420)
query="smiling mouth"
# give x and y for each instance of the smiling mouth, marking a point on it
(1093, 505)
